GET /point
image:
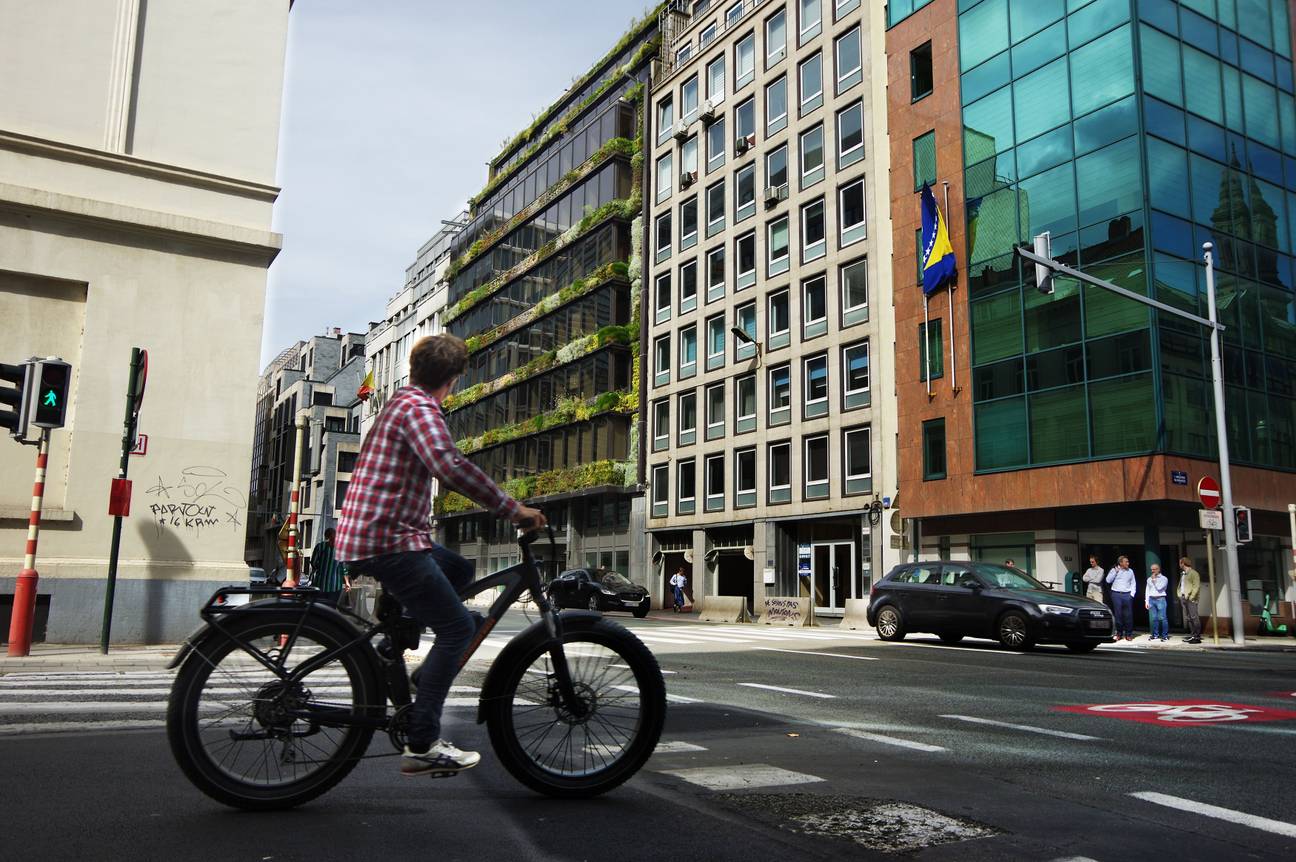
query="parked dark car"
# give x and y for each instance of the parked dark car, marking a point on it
(598, 590)
(964, 599)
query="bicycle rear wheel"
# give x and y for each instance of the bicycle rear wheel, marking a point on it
(555, 751)
(228, 721)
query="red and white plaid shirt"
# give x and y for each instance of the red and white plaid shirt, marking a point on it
(388, 504)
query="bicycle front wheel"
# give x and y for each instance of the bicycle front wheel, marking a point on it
(579, 753)
(234, 724)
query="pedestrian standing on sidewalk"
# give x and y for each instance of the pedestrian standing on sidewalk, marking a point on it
(1154, 599)
(1189, 593)
(1093, 576)
(328, 573)
(1124, 586)
(678, 582)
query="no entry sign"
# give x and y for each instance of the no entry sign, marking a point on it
(1208, 491)
(1182, 713)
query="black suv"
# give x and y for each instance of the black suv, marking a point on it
(957, 599)
(598, 590)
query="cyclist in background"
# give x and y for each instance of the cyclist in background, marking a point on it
(385, 532)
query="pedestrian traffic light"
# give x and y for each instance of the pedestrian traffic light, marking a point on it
(51, 380)
(1044, 275)
(16, 381)
(1242, 523)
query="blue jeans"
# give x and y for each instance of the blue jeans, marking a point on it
(1123, 609)
(1157, 614)
(427, 584)
(679, 598)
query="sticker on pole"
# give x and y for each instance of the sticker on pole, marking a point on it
(1182, 713)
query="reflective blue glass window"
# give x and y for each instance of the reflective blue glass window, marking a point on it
(1095, 19)
(1106, 125)
(989, 76)
(1048, 201)
(1199, 32)
(1161, 65)
(1040, 100)
(983, 32)
(1046, 151)
(1163, 120)
(988, 126)
(1167, 169)
(1102, 71)
(1039, 49)
(1109, 182)
(1162, 13)
(1260, 102)
(1031, 16)
(1203, 92)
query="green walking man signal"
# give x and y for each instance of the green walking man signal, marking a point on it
(38, 393)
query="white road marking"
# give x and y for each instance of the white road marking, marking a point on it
(888, 740)
(987, 650)
(810, 652)
(627, 667)
(676, 747)
(1277, 827)
(788, 690)
(673, 698)
(740, 778)
(78, 727)
(1025, 727)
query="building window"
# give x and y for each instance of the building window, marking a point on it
(811, 20)
(776, 244)
(850, 212)
(665, 119)
(660, 490)
(688, 286)
(745, 320)
(716, 80)
(661, 425)
(689, 162)
(780, 472)
(687, 352)
(849, 69)
(744, 478)
(855, 375)
(662, 291)
(715, 411)
(810, 75)
(816, 467)
(924, 160)
(844, 6)
(813, 239)
(920, 72)
(715, 274)
(745, 260)
(858, 457)
(733, 13)
(814, 308)
(715, 144)
(688, 418)
(708, 34)
(745, 126)
(850, 135)
(715, 482)
(689, 99)
(745, 61)
(776, 170)
(661, 361)
(780, 319)
(688, 223)
(854, 292)
(776, 105)
(745, 193)
(715, 342)
(775, 38)
(815, 380)
(780, 395)
(663, 227)
(745, 404)
(686, 487)
(715, 196)
(933, 443)
(930, 344)
(683, 53)
(665, 172)
(812, 157)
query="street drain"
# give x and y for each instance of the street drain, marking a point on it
(877, 824)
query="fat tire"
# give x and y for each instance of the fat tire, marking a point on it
(186, 744)
(652, 692)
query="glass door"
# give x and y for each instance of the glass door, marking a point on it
(835, 577)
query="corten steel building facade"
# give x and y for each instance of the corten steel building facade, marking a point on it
(1080, 423)
(770, 411)
(543, 284)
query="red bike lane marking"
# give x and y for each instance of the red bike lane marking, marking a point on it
(1182, 713)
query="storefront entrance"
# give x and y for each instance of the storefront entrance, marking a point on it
(836, 577)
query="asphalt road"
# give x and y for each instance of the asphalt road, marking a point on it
(773, 739)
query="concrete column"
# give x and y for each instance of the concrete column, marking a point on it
(641, 547)
(760, 559)
(1052, 550)
(703, 582)
(575, 538)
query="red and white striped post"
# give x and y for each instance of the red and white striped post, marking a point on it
(24, 606)
(294, 500)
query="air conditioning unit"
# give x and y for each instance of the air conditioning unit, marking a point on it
(708, 111)
(687, 178)
(774, 194)
(743, 144)
(681, 129)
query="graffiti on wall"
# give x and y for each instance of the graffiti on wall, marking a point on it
(199, 499)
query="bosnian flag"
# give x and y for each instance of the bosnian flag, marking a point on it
(938, 264)
(366, 387)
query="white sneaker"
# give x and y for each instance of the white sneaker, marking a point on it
(441, 760)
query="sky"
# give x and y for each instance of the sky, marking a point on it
(391, 110)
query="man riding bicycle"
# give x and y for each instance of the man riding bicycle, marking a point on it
(385, 532)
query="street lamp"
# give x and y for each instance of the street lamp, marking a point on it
(745, 337)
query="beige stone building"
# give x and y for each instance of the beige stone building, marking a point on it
(137, 168)
(770, 392)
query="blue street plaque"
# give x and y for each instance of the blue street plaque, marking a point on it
(1179, 477)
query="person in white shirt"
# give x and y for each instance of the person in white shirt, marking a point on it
(1154, 599)
(678, 582)
(1093, 576)
(1124, 586)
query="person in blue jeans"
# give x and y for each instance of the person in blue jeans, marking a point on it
(1124, 586)
(1154, 599)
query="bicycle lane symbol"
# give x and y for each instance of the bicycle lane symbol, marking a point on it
(1182, 713)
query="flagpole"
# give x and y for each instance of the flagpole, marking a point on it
(926, 345)
(953, 331)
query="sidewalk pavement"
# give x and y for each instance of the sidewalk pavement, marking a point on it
(54, 658)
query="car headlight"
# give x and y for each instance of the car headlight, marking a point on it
(1056, 609)
(605, 591)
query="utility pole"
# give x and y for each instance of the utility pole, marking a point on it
(1046, 268)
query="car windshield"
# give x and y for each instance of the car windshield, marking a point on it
(1013, 579)
(615, 581)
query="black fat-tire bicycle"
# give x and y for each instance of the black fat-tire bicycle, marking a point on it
(277, 700)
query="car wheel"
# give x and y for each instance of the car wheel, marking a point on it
(1014, 631)
(594, 603)
(1083, 646)
(641, 611)
(950, 637)
(890, 625)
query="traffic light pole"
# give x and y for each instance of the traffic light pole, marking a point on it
(1047, 267)
(24, 605)
(128, 442)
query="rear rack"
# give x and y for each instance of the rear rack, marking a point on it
(218, 606)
